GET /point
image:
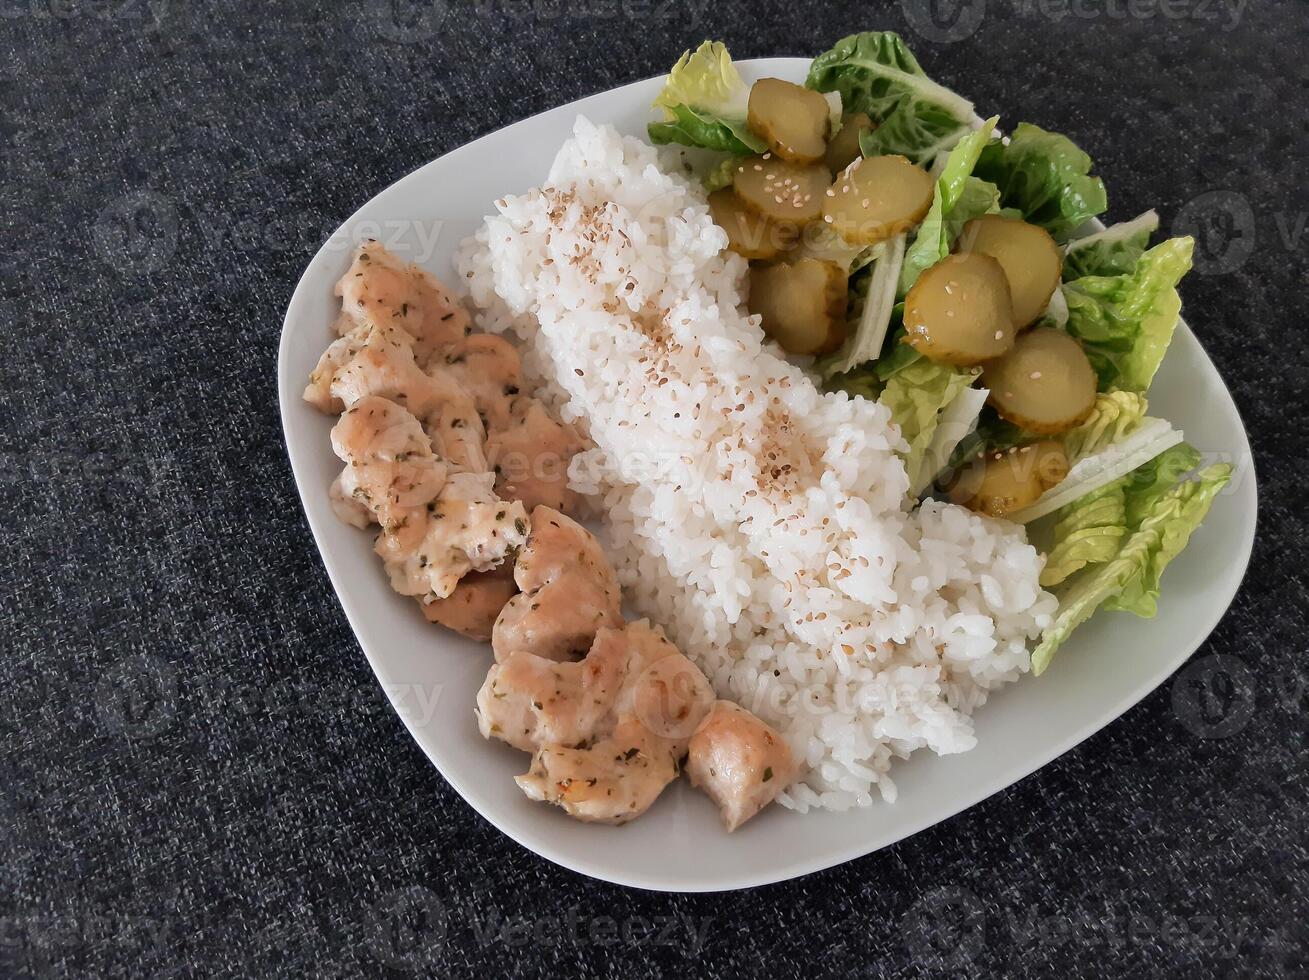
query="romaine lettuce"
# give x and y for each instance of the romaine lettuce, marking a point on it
(1115, 416)
(1086, 532)
(957, 197)
(957, 421)
(1146, 441)
(876, 73)
(875, 315)
(1126, 322)
(1046, 177)
(720, 175)
(916, 397)
(1146, 484)
(1111, 252)
(1130, 581)
(705, 103)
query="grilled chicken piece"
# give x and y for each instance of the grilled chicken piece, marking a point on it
(318, 392)
(529, 701)
(435, 527)
(614, 781)
(614, 776)
(739, 761)
(569, 591)
(466, 529)
(391, 470)
(384, 364)
(471, 609)
(531, 456)
(347, 508)
(490, 370)
(382, 289)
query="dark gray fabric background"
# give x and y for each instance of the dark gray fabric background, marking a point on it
(200, 775)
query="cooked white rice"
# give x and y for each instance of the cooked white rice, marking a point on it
(764, 524)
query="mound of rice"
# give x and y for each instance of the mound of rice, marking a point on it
(765, 524)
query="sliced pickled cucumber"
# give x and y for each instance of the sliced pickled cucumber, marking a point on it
(843, 148)
(791, 119)
(748, 234)
(801, 303)
(1051, 461)
(1002, 482)
(1030, 259)
(959, 311)
(998, 483)
(1044, 385)
(877, 197)
(788, 193)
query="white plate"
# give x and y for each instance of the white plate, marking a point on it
(432, 675)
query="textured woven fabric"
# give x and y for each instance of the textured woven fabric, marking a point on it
(200, 775)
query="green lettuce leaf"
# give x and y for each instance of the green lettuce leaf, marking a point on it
(1126, 322)
(1146, 484)
(1176, 513)
(875, 312)
(1086, 532)
(705, 103)
(876, 73)
(1112, 252)
(957, 197)
(916, 397)
(1130, 581)
(1115, 416)
(898, 354)
(720, 175)
(1046, 177)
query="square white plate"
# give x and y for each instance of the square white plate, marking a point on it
(432, 676)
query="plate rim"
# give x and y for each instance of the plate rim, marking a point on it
(289, 398)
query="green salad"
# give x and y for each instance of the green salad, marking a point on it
(930, 261)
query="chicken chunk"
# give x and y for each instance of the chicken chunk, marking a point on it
(614, 781)
(739, 761)
(318, 392)
(569, 592)
(466, 529)
(383, 363)
(382, 289)
(391, 470)
(531, 453)
(472, 608)
(616, 772)
(529, 701)
(435, 527)
(490, 370)
(347, 508)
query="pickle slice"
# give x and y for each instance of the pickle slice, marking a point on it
(788, 193)
(959, 311)
(877, 197)
(802, 304)
(1031, 260)
(1045, 384)
(792, 120)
